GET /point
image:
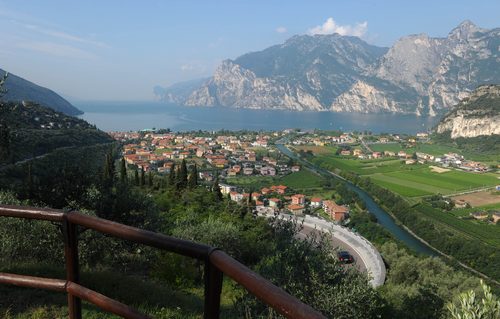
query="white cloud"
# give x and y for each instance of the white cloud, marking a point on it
(281, 29)
(64, 36)
(330, 26)
(61, 50)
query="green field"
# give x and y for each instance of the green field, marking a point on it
(484, 231)
(361, 167)
(303, 179)
(433, 149)
(423, 181)
(415, 181)
(408, 180)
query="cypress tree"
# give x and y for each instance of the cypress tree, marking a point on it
(123, 171)
(183, 175)
(193, 177)
(136, 178)
(150, 179)
(109, 171)
(143, 177)
(216, 189)
(171, 176)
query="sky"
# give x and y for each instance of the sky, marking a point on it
(120, 49)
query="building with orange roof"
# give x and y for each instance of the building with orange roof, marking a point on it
(335, 211)
(298, 199)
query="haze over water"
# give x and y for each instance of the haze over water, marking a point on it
(127, 116)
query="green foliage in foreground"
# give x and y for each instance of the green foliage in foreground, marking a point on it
(469, 306)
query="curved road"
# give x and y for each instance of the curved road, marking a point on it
(366, 256)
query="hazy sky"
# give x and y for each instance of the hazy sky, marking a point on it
(121, 49)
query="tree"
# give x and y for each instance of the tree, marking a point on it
(109, 171)
(216, 188)
(471, 307)
(136, 178)
(143, 177)
(171, 176)
(3, 91)
(29, 182)
(182, 176)
(150, 179)
(123, 171)
(193, 177)
(4, 143)
(308, 270)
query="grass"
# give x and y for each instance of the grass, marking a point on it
(303, 179)
(483, 231)
(415, 181)
(423, 181)
(408, 180)
(464, 212)
(153, 298)
(433, 149)
(317, 150)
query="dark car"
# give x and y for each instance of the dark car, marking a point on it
(345, 257)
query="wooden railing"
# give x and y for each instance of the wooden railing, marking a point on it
(217, 263)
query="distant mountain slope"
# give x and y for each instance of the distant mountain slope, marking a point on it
(28, 130)
(417, 75)
(477, 115)
(20, 89)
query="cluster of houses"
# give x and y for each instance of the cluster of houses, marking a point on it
(231, 155)
(446, 160)
(485, 216)
(322, 140)
(278, 198)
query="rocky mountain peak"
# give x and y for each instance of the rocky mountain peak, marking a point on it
(419, 74)
(464, 30)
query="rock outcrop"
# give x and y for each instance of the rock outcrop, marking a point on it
(477, 115)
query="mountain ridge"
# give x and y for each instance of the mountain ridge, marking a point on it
(419, 74)
(20, 89)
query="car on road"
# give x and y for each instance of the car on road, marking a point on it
(345, 257)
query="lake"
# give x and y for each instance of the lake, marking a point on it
(133, 116)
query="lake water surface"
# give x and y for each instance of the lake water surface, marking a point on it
(126, 116)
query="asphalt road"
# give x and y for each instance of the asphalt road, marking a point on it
(336, 243)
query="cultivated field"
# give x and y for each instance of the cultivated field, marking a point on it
(480, 198)
(484, 231)
(409, 180)
(299, 180)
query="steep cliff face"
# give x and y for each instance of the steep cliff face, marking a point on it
(417, 75)
(235, 86)
(436, 72)
(477, 115)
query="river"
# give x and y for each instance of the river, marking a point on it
(384, 219)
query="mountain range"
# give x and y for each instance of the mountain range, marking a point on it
(19, 89)
(417, 75)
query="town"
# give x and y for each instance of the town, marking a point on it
(226, 156)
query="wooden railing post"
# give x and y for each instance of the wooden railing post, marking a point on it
(213, 289)
(72, 269)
